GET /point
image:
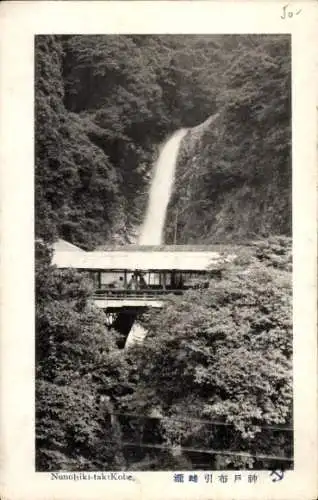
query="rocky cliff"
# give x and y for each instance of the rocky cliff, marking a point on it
(230, 193)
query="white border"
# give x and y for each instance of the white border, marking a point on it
(19, 21)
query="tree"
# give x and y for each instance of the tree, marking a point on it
(230, 362)
(79, 375)
(234, 173)
(76, 186)
(103, 105)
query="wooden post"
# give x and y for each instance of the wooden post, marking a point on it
(164, 280)
(173, 279)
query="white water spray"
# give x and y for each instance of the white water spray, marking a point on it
(159, 196)
(160, 190)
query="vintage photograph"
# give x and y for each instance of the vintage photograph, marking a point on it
(163, 252)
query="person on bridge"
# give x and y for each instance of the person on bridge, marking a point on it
(133, 284)
(137, 281)
(142, 281)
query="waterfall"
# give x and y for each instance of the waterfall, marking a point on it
(159, 196)
(136, 335)
(160, 190)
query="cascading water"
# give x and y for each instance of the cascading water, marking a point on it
(136, 335)
(160, 190)
(159, 196)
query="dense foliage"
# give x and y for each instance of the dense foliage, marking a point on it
(234, 174)
(230, 363)
(76, 186)
(104, 103)
(77, 362)
(102, 106)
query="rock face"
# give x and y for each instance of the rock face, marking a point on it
(226, 189)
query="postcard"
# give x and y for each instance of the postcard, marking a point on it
(158, 241)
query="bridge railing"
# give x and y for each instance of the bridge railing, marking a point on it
(142, 293)
(133, 294)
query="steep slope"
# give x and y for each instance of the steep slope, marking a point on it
(77, 194)
(104, 104)
(233, 178)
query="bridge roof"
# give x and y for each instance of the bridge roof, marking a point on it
(64, 246)
(143, 261)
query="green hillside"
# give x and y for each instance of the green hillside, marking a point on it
(211, 385)
(103, 105)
